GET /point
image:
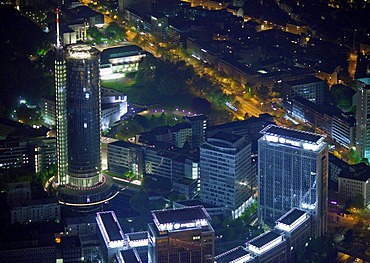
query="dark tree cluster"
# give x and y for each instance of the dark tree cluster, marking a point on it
(113, 32)
(162, 76)
(22, 72)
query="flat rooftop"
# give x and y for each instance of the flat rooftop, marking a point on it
(180, 215)
(125, 144)
(358, 172)
(196, 202)
(287, 133)
(306, 80)
(233, 254)
(185, 181)
(119, 52)
(291, 216)
(262, 240)
(137, 235)
(80, 220)
(129, 256)
(111, 226)
(196, 118)
(365, 81)
(226, 136)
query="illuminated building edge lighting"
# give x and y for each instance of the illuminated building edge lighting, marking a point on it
(266, 247)
(109, 243)
(173, 226)
(292, 226)
(89, 204)
(241, 259)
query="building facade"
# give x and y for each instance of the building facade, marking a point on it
(36, 211)
(311, 88)
(60, 79)
(83, 116)
(181, 235)
(80, 181)
(199, 124)
(113, 107)
(354, 183)
(362, 117)
(225, 172)
(292, 172)
(125, 156)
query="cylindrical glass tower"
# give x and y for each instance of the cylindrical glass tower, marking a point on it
(83, 116)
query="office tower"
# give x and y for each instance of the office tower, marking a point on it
(180, 236)
(61, 110)
(225, 172)
(79, 181)
(362, 117)
(83, 116)
(292, 173)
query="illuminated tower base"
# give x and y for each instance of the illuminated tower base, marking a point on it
(85, 198)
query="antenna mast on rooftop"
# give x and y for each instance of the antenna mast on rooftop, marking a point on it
(57, 21)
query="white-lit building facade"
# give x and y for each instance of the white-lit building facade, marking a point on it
(362, 118)
(125, 156)
(282, 244)
(181, 235)
(113, 107)
(117, 61)
(225, 172)
(292, 172)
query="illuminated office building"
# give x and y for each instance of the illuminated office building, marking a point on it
(83, 116)
(181, 235)
(292, 172)
(362, 117)
(61, 110)
(79, 181)
(225, 172)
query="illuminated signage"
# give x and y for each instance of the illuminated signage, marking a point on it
(282, 140)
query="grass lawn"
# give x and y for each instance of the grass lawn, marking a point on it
(120, 84)
(141, 96)
(151, 99)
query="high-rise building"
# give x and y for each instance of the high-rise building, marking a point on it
(292, 172)
(83, 116)
(181, 235)
(225, 172)
(61, 110)
(78, 104)
(362, 117)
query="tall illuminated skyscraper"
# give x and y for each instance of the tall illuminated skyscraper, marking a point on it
(363, 117)
(83, 116)
(80, 181)
(61, 110)
(225, 172)
(292, 173)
